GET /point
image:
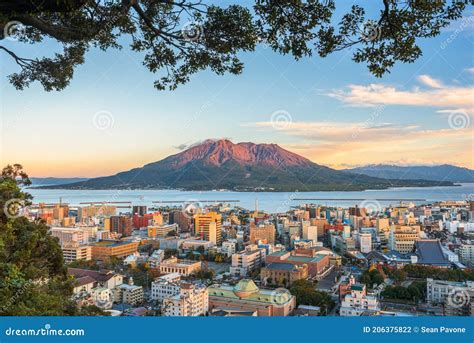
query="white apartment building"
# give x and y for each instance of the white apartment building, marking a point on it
(129, 293)
(365, 241)
(358, 302)
(229, 247)
(191, 301)
(248, 260)
(310, 232)
(438, 290)
(466, 254)
(165, 286)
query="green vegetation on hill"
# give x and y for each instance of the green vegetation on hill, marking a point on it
(33, 276)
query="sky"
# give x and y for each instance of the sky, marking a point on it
(331, 110)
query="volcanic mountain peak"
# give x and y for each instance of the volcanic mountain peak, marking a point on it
(218, 152)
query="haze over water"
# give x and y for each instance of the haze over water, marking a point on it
(267, 201)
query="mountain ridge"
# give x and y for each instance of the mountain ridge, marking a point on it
(442, 172)
(245, 166)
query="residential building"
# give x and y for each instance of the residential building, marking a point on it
(365, 240)
(162, 231)
(191, 301)
(229, 247)
(121, 225)
(248, 260)
(74, 251)
(358, 302)
(466, 254)
(402, 238)
(103, 278)
(263, 232)
(129, 293)
(438, 290)
(165, 286)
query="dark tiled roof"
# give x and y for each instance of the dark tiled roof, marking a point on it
(84, 280)
(99, 276)
(429, 252)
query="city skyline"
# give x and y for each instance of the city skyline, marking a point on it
(331, 110)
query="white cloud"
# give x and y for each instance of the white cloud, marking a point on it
(429, 81)
(446, 98)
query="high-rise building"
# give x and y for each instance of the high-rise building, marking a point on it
(184, 221)
(208, 226)
(365, 240)
(264, 233)
(119, 224)
(140, 210)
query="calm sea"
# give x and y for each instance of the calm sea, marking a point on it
(268, 201)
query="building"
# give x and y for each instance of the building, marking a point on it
(229, 247)
(129, 293)
(466, 254)
(208, 226)
(88, 212)
(437, 291)
(365, 240)
(140, 210)
(119, 224)
(283, 274)
(184, 221)
(103, 278)
(165, 286)
(247, 261)
(182, 267)
(264, 232)
(162, 231)
(194, 244)
(246, 296)
(358, 302)
(68, 235)
(429, 252)
(191, 301)
(109, 248)
(316, 263)
(75, 251)
(402, 239)
(310, 232)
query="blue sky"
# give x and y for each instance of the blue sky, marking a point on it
(329, 110)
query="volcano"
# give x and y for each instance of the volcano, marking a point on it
(221, 164)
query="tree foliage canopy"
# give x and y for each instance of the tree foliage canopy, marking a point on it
(178, 38)
(33, 276)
